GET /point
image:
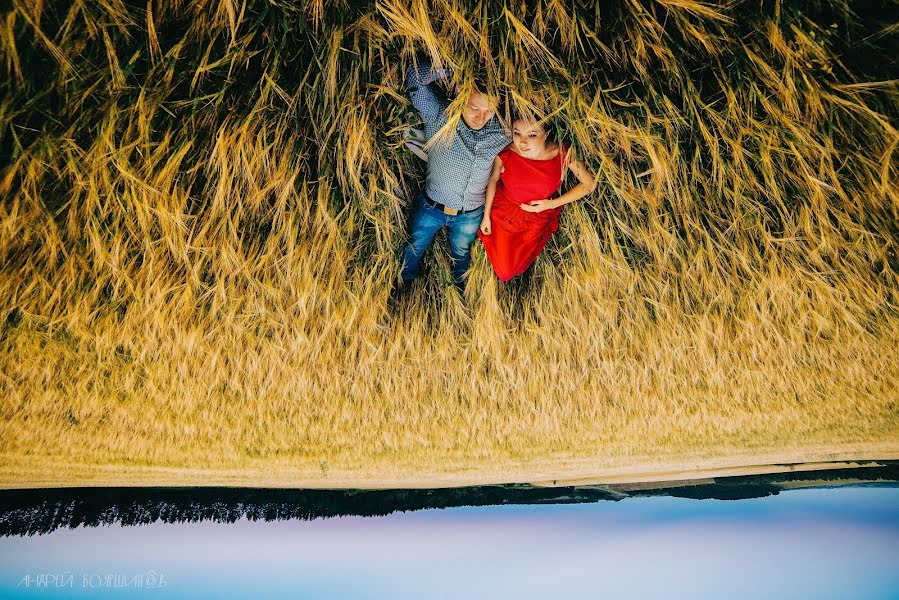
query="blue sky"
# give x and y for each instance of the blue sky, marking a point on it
(824, 543)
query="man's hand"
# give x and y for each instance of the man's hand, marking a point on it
(486, 225)
(536, 206)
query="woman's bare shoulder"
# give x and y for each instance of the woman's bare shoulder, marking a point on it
(553, 149)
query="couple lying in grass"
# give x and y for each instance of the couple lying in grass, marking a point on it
(480, 184)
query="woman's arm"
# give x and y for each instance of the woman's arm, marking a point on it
(586, 185)
(486, 225)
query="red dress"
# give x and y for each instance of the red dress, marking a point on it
(518, 236)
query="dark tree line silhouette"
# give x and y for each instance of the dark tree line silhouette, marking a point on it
(40, 511)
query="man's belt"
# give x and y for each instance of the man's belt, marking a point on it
(444, 208)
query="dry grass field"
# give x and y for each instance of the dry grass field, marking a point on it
(203, 202)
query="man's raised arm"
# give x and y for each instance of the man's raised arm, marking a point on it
(419, 76)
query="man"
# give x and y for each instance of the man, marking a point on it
(458, 171)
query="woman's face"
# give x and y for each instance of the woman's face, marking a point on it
(529, 138)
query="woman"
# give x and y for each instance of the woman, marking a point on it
(520, 212)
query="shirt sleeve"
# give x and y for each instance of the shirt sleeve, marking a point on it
(418, 79)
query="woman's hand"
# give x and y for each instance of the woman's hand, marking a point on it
(486, 225)
(536, 206)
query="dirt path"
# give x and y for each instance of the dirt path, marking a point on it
(31, 472)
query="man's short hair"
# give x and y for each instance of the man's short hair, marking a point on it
(480, 86)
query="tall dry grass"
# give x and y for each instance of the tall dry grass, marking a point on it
(203, 205)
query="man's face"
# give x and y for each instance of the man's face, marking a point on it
(478, 110)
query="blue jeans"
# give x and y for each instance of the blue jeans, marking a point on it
(426, 221)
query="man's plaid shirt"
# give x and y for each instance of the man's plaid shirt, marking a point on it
(457, 171)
